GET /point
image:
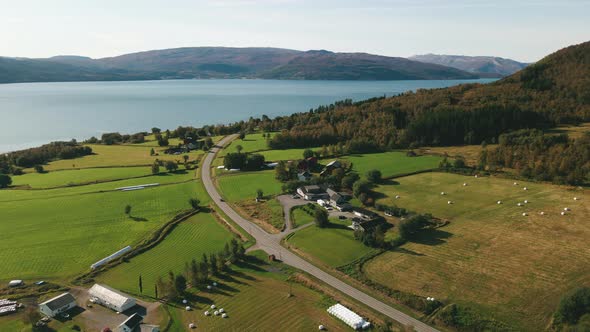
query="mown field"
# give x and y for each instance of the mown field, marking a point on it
(240, 186)
(391, 163)
(117, 155)
(334, 246)
(512, 267)
(256, 299)
(79, 176)
(201, 234)
(58, 233)
(251, 143)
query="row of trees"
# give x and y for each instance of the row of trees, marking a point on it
(11, 163)
(238, 160)
(197, 272)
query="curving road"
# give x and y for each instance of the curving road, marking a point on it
(271, 245)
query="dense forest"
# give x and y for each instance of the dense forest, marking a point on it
(542, 157)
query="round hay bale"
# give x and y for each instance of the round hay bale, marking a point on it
(442, 193)
(526, 201)
(224, 316)
(396, 196)
(499, 202)
(449, 202)
(518, 204)
(575, 198)
(191, 326)
(525, 188)
(207, 313)
(464, 184)
(213, 306)
(562, 213)
(542, 213)
(188, 308)
(184, 301)
(214, 284)
(221, 310)
(524, 214)
(516, 183)
(321, 327)
(216, 313)
(209, 287)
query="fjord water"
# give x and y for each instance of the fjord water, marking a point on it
(37, 113)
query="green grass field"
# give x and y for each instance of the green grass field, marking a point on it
(240, 186)
(391, 163)
(300, 217)
(513, 267)
(117, 155)
(251, 143)
(46, 236)
(162, 178)
(334, 246)
(190, 239)
(255, 298)
(79, 176)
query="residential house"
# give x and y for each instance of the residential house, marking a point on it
(304, 176)
(312, 193)
(334, 164)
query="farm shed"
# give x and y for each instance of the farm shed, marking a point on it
(130, 324)
(348, 316)
(110, 298)
(57, 305)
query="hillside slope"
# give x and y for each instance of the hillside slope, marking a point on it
(223, 62)
(554, 90)
(488, 66)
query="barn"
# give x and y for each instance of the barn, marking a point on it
(110, 298)
(57, 305)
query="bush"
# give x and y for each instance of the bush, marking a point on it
(408, 228)
(374, 176)
(5, 181)
(321, 218)
(573, 306)
(38, 168)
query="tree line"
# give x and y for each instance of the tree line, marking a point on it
(13, 162)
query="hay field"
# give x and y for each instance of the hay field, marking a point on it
(510, 266)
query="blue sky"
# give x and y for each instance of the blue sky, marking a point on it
(523, 30)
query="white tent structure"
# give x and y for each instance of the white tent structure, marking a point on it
(348, 316)
(110, 298)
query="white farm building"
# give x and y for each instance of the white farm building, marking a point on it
(57, 305)
(110, 298)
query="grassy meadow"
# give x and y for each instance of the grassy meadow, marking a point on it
(334, 246)
(198, 235)
(81, 229)
(118, 155)
(490, 256)
(239, 186)
(79, 176)
(391, 163)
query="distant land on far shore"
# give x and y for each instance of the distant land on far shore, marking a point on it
(483, 66)
(225, 62)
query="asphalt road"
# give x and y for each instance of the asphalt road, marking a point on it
(271, 245)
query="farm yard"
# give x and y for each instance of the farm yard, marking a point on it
(198, 235)
(490, 254)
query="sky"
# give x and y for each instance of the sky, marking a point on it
(524, 30)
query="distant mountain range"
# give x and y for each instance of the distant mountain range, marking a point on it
(225, 62)
(483, 66)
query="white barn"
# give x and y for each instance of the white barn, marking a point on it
(57, 305)
(110, 298)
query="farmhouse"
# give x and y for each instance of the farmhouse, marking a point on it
(364, 213)
(304, 176)
(110, 298)
(57, 305)
(312, 193)
(130, 324)
(330, 167)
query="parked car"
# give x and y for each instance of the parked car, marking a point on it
(341, 217)
(295, 196)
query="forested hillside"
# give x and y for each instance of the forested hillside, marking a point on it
(553, 91)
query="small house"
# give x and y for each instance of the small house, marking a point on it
(57, 305)
(335, 197)
(304, 176)
(131, 323)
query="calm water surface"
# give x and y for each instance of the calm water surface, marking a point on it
(36, 113)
